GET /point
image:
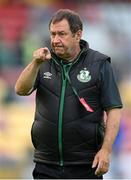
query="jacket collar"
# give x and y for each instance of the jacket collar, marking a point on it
(84, 45)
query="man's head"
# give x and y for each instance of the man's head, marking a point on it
(74, 20)
(66, 31)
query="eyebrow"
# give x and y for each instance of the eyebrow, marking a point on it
(57, 31)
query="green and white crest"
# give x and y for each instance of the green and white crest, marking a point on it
(84, 76)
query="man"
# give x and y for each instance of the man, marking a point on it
(75, 86)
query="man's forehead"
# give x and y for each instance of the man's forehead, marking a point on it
(61, 25)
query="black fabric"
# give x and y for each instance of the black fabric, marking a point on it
(46, 171)
(81, 137)
(110, 97)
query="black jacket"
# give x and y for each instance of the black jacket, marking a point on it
(64, 132)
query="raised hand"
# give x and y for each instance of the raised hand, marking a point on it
(41, 55)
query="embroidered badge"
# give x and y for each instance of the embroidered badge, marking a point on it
(84, 76)
(47, 75)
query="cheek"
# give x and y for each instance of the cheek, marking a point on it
(70, 45)
(51, 42)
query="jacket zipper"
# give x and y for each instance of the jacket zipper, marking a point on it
(60, 122)
(65, 70)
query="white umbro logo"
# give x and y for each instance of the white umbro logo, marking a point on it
(47, 75)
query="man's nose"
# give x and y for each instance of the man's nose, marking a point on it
(56, 39)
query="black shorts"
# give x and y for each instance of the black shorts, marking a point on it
(48, 171)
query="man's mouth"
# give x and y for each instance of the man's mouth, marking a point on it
(58, 47)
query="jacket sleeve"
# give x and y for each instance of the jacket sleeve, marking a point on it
(109, 92)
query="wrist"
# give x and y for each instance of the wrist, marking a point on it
(108, 149)
(37, 62)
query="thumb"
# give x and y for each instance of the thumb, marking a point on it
(95, 162)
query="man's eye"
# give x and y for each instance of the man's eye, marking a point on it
(62, 34)
(52, 35)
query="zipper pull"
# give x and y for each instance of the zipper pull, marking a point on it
(84, 103)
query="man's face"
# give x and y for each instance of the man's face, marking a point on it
(63, 42)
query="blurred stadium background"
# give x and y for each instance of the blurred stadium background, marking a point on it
(23, 28)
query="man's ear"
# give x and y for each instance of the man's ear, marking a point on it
(79, 35)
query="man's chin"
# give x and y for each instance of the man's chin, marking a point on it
(59, 54)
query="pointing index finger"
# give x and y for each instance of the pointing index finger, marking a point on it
(47, 53)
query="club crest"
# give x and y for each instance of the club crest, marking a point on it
(84, 76)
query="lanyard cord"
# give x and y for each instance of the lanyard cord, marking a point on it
(81, 99)
(68, 78)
